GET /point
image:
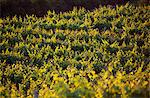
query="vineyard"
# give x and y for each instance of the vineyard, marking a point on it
(104, 53)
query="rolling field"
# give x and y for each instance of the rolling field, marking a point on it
(104, 53)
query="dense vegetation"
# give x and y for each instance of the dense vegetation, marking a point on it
(76, 54)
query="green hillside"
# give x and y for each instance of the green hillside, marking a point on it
(104, 53)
